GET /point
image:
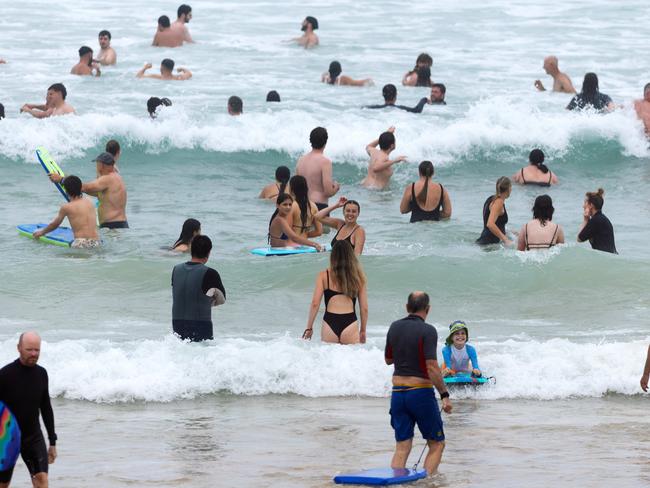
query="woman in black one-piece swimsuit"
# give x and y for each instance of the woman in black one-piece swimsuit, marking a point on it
(495, 215)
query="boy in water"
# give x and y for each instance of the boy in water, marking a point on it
(459, 357)
(80, 213)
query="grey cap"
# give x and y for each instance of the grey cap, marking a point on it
(105, 158)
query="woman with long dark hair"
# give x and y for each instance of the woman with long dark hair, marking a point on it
(281, 233)
(591, 97)
(333, 76)
(272, 190)
(426, 199)
(304, 210)
(536, 173)
(541, 232)
(191, 228)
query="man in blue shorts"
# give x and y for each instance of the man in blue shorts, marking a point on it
(411, 346)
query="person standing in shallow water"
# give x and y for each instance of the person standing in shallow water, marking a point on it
(596, 228)
(425, 199)
(495, 215)
(536, 173)
(541, 232)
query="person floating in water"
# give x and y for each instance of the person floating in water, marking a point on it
(536, 173)
(642, 108)
(459, 357)
(389, 92)
(272, 190)
(411, 78)
(309, 38)
(591, 97)
(596, 228)
(85, 65)
(166, 71)
(495, 215)
(561, 81)
(541, 232)
(425, 199)
(380, 167)
(191, 229)
(333, 76)
(55, 104)
(281, 232)
(154, 102)
(166, 36)
(80, 212)
(107, 55)
(184, 15)
(235, 106)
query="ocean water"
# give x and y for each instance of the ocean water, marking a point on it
(564, 332)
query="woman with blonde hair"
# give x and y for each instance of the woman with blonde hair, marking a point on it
(341, 284)
(495, 215)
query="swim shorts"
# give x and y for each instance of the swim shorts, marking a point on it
(34, 454)
(415, 406)
(83, 243)
(121, 224)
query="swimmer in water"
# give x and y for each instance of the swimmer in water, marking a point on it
(536, 173)
(114, 149)
(303, 211)
(281, 232)
(166, 72)
(347, 229)
(380, 167)
(389, 92)
(422, 61)
(591, 97)
(495, 216)
(272, 190)
(334, 77)
(642, 108)
(235, 106)
(272, 96)
(596, 227)
(184, 15)
(166, 36)
(561, 81)
(191, 229)
(309, 38)
(2, 111)
(85, 65)
(437, 96)
(425, 199)
(80, 212)
(341, 284)
(55, 104)
(107, 55)
(154, 102)
(541, 232)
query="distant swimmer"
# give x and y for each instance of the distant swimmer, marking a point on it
(114, 149)
(80, 212)
(422, 61)
(536, 173)
(272, 96)
(2, 61)
(184, 15)
(591, 97)
(154, 102)
(191, 229)
(389, 92)
(235, 106)
(426, 200)
(642, 108)
(309, 38)
(196, 288)
(111, 191)
(2, 111)
(107, 55)
(304, 210)
(347, 229)
(333, 76)
(380, 167)
(437, 95)
(24, 389)
(561, 81)
(411, 346)
(317, 169)
(646, 372)
(166, 71)
(596, 228)
(272, 190)
(495, 215)
(166, 36)
(541, 232)
(341, 284)
(85, 65)
(281, 232)
(55, 104)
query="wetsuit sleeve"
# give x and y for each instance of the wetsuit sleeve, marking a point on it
(212, 280)
(588, 232)
(46, 411)
(573, 103)
(446, 356)
(471, 352)
(430, 343)
(418, 108)
(375, 106)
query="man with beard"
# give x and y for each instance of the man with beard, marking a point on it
(309, 39)
(107, 55)
(184, 15)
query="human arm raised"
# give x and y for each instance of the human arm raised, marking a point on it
(323, 215)
(183, 74)
(141, 73)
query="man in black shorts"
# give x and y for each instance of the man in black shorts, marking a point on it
(24, 389)
(411, 345)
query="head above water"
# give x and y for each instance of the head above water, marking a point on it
(184, 12)
(235, 105)
(536, 158)
(29, 348)
(424, 76)
(503, 186)
(438, 91)
(334, 71)
(309, 23)
(282, 175)
(113, 148)
(424, 59)
(154, 102)
(387, 141)
(352, 203)
(164, 22)
(272, 96)
(283, 197)
(85, 51)
(72, 185)
(318, 138)
(104, 33)
(389, 92)
(590, 85)
(201, 247)
(167, 65)
(595, 199)
(551, 65)
(543, 209)
(426, 171)
(190, 229)
(418, 303)
(58, 88)
(455, 328)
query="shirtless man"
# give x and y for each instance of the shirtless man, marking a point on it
(561, 81)
(180, 24)
(107, 54)
(111, 191)
(166, 72)
(317, 170)
(309, 39)
(54, 104)
(166, 36)
(642, 108)
(80, 212)
(85, 65)
(380, 168)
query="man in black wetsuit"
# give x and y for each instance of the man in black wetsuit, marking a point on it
(195, 290)
(389, 92)
(24, 389)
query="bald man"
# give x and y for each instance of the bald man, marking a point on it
(561, 81)
(24, 389)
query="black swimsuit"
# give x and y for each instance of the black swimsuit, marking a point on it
(487, 237)
(348, 238)
(338, 322)
(418, 214)
(538, 183)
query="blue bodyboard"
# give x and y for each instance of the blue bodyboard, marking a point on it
(285, 251)
(465, 379)
(61, 236)
(9, 438)
(380, 477)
